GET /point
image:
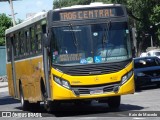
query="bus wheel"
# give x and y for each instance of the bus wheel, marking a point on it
(47, 103)
(47, 106)
(51, 106)
(24, 103)
(114, 102)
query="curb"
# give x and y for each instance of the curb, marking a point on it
(3, 86)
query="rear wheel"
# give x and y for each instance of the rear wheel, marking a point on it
(24, 103)
(114, 102)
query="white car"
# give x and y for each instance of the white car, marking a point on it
(144, 54)
(154, 53)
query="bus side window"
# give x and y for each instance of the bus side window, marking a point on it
(44, 28)
(22, 49)
(32, 40)
(8, 43)
(27, 44)
(19, 43)
(16, 45)
(38, 38)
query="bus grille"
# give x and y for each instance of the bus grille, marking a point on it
(94, 69)
(87, 90)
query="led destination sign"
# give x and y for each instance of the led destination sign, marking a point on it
(88, 14)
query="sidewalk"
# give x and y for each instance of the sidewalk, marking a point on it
(3, 81)
(3, 84)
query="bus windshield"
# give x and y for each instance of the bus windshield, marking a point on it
(90, 44)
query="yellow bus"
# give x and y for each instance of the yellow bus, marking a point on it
(73, 54)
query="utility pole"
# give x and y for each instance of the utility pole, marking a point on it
(12, 12)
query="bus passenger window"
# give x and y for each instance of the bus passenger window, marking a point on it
(16, 45)
(32, 40)
(27, 47)
(38, 38)
(8, 49)
(22, 50)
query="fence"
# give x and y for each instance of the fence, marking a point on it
(2, 61)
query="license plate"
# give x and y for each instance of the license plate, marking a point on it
(155, 79)
(96, 91)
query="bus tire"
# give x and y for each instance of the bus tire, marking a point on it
(114, 102)
(24, 103)
(44, 97)
(51, 106)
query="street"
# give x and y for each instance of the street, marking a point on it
(146, 102)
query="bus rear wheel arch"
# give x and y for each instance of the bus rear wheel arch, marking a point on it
(25, 104)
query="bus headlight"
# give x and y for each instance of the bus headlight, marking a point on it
(62, 82)
(126, 76)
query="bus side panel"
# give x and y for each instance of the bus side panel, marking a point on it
(30, 72)
(10, 80)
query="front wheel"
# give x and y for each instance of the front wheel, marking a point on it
(114, 102)
(49, 106)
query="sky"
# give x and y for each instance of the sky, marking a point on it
(23, 7)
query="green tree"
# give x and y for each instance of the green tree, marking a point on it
(5, 23)
(142, 14)
(66, 3)
(155, 17)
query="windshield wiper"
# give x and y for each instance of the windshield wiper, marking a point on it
(106, 33)
(74, 36)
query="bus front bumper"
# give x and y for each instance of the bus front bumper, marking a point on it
(61, 93)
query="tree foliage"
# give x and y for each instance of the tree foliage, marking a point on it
(5, 23)
(143, 14)
(66, 3)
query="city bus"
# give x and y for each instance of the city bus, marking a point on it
(72, 54)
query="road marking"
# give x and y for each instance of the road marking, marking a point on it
(139, 118)
(87, 118)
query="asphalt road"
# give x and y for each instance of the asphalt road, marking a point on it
(140, 105)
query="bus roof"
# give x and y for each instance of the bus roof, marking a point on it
(95, 4)
(30, 20)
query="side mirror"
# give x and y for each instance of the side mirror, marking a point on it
(45, 40)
